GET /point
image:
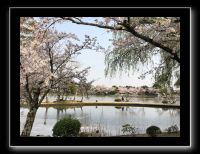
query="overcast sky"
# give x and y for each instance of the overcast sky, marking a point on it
(96, 59)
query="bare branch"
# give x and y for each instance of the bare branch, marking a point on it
(92, 24)
(50, 26)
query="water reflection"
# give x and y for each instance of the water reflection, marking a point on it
(45, 116)
(107, 118)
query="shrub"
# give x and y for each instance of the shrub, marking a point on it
(90, 134)
(118, 100)
(153, 131)
(172, 129)
(84, 134)
(165, 102)
(67, 127)
(128, 129)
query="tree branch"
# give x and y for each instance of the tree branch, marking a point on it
(28, 91)
(51, 59)
(49, 27)
(151, 41)
(127, 27)
(43, 96)
(68, 57)
(91, 24)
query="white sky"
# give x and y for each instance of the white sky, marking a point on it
(96, 59)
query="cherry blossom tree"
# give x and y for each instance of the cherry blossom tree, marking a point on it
(83, 85)
(45, 61)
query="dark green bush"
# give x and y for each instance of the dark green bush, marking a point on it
(153, 131)
(84, 134)
(172, 129)
(67, 127)
(127, 129)
(118, 100)
(165, 102)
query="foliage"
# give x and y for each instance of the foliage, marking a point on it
(117, 100)
(153, 131)
(67, 127)
(156, 85)
(145, 87)
(96, 133)
(84, 86)
(168, 94)
(84, 134)
(112, 92)
(165, 102)
(172, 129)
(72, 88)
(130, 52)
(126, 91)
(128, 129)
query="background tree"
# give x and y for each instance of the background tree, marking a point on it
(84, 87)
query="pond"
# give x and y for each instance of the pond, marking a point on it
(107, 119)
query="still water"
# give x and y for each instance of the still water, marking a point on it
(107, 119)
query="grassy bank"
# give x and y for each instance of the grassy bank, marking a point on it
(76, 103)
(164, 134)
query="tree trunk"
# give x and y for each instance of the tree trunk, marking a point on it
(47, 99)
(58, 114)
(58, 97)
(82, 98)
(34, 103)
(66, 97)
(75, 95)
(29, 122)
(45, 116)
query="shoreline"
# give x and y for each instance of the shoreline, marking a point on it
(163, 134)
(71, 103)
